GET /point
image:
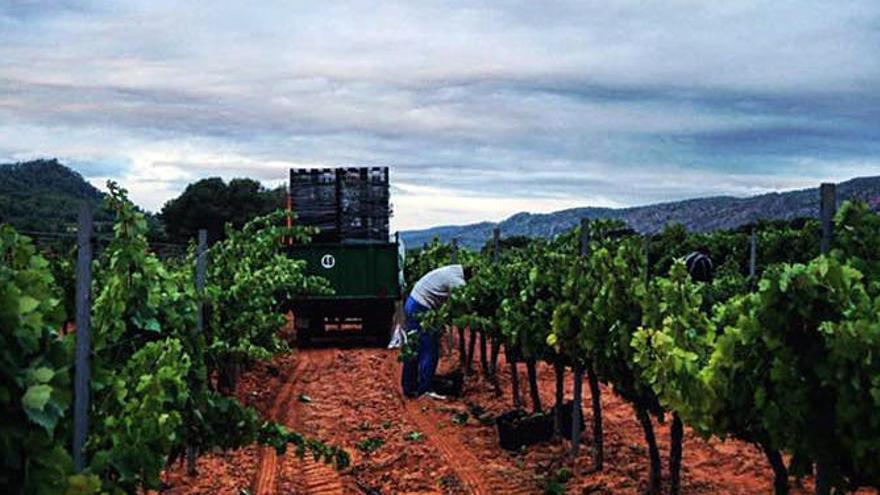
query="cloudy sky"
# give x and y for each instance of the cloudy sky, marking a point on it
(481, 109)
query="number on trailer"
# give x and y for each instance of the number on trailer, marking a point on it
(328, 261)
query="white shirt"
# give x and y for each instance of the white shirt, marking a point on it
(434, 288)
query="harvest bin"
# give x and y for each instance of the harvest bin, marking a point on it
(449, 384)
(365, 278)
(343, 203)
(518, 429)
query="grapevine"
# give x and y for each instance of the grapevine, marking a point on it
(785, 360)
(150, 387)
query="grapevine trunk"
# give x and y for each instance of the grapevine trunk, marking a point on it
(654, 477)
(533, 386)
(484, 358)
(577, 411)
(598, 435)
(472, 343)
(780, 472)
(676, 435)
(514, 379)
(559, 370)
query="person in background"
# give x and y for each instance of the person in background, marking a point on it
(700, 266)
(702, 270)
(430, 292)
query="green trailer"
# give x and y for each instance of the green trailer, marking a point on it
(366, 281)
(352, 250)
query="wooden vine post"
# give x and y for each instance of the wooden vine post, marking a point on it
(201, 269)
(509, 351)
(484, 354)
(450, 341)
(83, 336)
(192, 451)
(496, 341)
(472, 345)
(462, 349)
(598, 449)
(467, 354)
(753, 254)
(578, 367)
(642, 413)
(827, 209)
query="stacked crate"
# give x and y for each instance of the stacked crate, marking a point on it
(346, 204)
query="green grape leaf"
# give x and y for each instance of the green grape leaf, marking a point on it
(43, 375)
(36, 397)
(153, 325)
(27, 304)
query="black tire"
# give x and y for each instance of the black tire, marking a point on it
(379, 322)
(304, 326)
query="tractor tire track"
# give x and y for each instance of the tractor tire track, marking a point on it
(469, 469)
(264, 482)
(315, 477)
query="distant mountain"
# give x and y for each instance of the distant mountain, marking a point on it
(45, 196)
(698, 215)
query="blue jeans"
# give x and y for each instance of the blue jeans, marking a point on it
(419, 371)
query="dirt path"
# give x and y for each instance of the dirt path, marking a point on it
(469, 469)
(313, 477)
(352, 398)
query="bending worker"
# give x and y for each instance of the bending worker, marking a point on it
(428, 293)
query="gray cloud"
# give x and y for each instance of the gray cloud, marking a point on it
(541, 103)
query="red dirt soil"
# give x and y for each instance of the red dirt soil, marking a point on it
(344, 397)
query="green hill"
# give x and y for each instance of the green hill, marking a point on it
(45, 196)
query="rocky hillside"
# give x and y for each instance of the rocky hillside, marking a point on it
(698, 215)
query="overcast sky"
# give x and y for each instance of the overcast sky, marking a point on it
(481, 109)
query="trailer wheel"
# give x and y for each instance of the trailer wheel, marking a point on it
(380, 323)
(303, 324)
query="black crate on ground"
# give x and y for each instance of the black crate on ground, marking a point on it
(517, 429)
(449, 384)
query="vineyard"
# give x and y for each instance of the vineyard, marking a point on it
(158, 389)
(780, 350)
